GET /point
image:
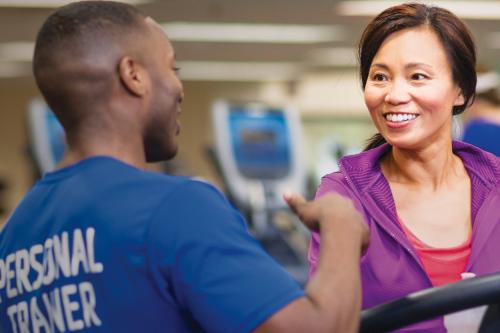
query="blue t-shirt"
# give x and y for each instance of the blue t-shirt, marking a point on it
(101, 246)
(483, 134)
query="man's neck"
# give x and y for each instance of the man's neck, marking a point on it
(124, 150)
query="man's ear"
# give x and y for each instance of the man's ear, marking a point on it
(133, 76)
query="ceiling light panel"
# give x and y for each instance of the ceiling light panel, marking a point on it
(474, 10)
(14, 69)
(49, 3)
(252, 33)
(17, 51)
(336, 56)
(237, 71)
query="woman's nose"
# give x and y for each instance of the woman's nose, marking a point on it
(397, 93)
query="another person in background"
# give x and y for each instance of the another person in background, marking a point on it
(482, 126)
(101, 245)
(432, 204)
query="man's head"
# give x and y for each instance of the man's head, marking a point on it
(102, 64)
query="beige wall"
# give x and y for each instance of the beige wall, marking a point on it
(14, 163)
(196, 133)
(15, 94)
(352, 127)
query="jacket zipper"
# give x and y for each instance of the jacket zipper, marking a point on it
(404, 246)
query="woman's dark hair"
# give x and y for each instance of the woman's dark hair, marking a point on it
(452, 32)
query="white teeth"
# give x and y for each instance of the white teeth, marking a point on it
(399, 117)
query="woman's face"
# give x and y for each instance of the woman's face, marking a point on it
(410, 92)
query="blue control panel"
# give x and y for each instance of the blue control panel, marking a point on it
(260, 142)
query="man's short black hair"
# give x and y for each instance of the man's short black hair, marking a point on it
(72, 42)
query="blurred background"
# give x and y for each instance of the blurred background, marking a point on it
(297, 56)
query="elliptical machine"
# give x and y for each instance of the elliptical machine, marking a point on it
(258, 151)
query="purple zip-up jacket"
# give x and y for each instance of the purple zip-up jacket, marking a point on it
(391, 268)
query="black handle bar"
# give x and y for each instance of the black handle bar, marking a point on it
(431, 303)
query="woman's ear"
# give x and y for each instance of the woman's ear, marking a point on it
(133, 76)
(460, 100)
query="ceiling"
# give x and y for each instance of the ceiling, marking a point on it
(20, 25)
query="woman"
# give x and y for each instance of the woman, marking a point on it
(432, 204)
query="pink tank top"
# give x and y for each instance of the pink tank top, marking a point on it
(442, 265)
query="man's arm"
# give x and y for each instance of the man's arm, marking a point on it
(333, 296)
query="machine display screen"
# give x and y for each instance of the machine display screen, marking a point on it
(250, 136)
(260, 142)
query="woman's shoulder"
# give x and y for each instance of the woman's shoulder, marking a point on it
(355, 170)
(333, 182)
(335, 176)
(476, 158)
(337, 182)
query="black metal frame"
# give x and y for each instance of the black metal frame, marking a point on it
(434, 302)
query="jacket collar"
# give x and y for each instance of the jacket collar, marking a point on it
(363, 173)
(363, 169)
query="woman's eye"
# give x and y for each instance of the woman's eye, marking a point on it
(379, 77)
(418, 76)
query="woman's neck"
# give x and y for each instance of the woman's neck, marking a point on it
(431, 167)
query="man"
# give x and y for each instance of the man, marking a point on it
(101, 245)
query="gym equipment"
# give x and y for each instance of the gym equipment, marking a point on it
(47, 137)
(435, 302)
(258, 149)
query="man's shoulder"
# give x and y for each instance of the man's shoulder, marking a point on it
(179, 184)
(105, 173)
(187, 193)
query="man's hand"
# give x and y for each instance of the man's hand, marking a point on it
(331, 211)
(332, 302)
